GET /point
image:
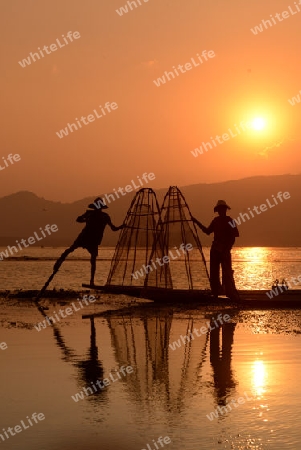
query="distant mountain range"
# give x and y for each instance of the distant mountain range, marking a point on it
(23, 213)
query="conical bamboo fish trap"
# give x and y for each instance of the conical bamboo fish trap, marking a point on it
(175, 231)
(136, 241)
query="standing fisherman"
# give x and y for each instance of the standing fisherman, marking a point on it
(220, 252)
(91, 236)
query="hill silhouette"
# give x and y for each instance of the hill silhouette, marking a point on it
(24, 212)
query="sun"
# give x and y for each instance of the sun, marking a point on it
(258, 123)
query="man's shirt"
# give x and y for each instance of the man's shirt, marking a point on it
(96, 221)
(224, 234)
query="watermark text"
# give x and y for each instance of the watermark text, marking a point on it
(223, 409)
(272, 21)
(11, 431)
(48, 49)
(31, 240)
(263, 207)
(203, 330)
(102, 384)
(86, 119)
(183, 68)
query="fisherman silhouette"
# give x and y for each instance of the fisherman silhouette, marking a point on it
(220, 252)
(91, 236)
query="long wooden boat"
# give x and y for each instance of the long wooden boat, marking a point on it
(290, 298)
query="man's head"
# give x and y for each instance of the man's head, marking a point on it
(98, 204)
(221, 208)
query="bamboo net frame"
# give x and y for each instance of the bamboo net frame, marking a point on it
(136, 241)
(152, 234)
(175, 230)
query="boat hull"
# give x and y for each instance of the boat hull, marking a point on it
(248, 298)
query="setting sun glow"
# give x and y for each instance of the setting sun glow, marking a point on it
(258, 123)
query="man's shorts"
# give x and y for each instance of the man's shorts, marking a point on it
(92, 247)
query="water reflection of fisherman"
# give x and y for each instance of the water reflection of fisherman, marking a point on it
(91, 370)
(220, 359)
(91, 236)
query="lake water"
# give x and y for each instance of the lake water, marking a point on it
(254, 267)
(181, 393)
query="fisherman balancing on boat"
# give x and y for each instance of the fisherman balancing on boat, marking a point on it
(220, 252)
(91, 236)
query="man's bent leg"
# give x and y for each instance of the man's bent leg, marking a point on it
(215, 261)
(63, 256)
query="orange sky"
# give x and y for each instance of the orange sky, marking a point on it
(154, 128)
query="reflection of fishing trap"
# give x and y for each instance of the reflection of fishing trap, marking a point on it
(178, 238)
(170, 377)
(136, 241)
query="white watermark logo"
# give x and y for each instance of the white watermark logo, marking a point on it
(18, 428)
(278, 288)
(128, 188)
(183, 68)
(223, 409)
(166, 259)
(53, 48)
(295, 100)
(280, 17)
(203, 330)
(68, 311)
(11, 158)
(90, 118)
(205, 146)
(102, 384)
(31, 240)
(263, 207)
(166, 440)
(124, 9)
(3, 345)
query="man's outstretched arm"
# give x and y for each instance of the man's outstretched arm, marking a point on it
(83, 218)
(206, 230)
(113, 228)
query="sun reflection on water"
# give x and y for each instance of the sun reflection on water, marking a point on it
(253, 268)
(259, 378)
(256, 254)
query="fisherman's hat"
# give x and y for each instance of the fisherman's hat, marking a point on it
(98, 204)
(221, 204)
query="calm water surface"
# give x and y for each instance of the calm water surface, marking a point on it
(169, 393)
(254, 268)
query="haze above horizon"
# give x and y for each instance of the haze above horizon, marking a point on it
(97, 59)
